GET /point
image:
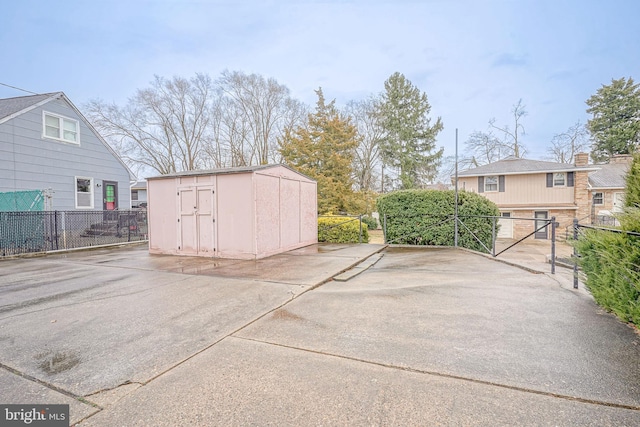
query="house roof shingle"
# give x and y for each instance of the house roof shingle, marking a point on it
(9, 106)
(513, 166)
(610, 175)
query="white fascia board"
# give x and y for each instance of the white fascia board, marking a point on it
(592, 169)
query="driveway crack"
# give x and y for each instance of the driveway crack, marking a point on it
(49, 386)
(452, 376)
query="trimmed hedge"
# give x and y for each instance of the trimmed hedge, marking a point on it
(611, 262)
(418, 217)
(341, 230)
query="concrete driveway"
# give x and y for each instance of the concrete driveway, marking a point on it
(424, 336)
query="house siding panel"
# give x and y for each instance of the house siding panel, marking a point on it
(522, 189)
(31, 162)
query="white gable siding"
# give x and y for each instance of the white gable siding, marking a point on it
(30, 162)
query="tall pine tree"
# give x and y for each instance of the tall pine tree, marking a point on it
(615, 125)
(323, 149)
(409, 141)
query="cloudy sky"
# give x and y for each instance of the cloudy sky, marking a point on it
(473, 58)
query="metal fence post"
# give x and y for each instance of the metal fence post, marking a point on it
(64, 230)
(575, 253)
(384, 228)
(360, 218)
(55, 231)
(493, 237)
(553, 245)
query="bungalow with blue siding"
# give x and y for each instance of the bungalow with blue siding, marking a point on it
(48, 147)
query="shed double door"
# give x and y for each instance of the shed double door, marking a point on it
(196, 221)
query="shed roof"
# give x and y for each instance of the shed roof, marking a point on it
(225, 171)
(514, 166)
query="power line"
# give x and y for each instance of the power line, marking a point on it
(24, 90)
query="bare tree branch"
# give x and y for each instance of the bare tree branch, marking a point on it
(511, 137)
(565, 145)
(367, 153)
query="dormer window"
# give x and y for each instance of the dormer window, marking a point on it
(60, 128)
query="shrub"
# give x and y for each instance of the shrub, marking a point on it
(340, 229)
(371, 222)
(632, 188)
(425, 217)
(611, 263)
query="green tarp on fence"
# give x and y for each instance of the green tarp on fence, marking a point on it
(21, 227)
(22, 201)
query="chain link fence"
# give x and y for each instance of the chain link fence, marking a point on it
(30, 232)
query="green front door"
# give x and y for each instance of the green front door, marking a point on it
(110, 195)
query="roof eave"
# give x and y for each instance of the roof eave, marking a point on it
(574, 169)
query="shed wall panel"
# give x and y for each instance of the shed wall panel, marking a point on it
(268, 205)
(289, 212)
(235, 214)
(163, 216)
(308, 212)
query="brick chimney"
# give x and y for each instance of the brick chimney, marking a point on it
(581, 159)
(621, 159)
(581, 195)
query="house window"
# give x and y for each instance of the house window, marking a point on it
(60, 128)
(84, 193)
(134, 194)
(559, 179)
(490, 183)
(598, 198)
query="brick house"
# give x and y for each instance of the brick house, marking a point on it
(533, 189)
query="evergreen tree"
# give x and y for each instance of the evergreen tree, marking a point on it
(323, 149)
(408, 142)
(632, 193)
(615, 126)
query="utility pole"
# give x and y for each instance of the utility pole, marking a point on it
(455, 219)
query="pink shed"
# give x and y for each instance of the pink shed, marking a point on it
(243, 213)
